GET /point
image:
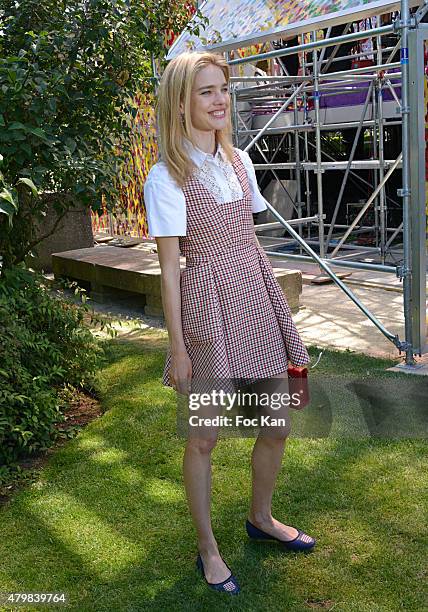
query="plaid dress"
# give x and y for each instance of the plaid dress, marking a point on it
(236, 322)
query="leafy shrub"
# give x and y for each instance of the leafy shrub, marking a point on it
(70, 73)
(44, 344)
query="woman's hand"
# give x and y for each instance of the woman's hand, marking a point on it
(180, 373)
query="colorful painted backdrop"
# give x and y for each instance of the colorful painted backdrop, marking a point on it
(230, 19)
(129, 218)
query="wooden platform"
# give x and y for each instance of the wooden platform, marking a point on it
(117, 273)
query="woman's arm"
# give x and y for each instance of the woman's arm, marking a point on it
(169, 259)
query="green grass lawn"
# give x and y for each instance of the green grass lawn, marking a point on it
(107, 521)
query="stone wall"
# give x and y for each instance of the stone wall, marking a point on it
(74, 231)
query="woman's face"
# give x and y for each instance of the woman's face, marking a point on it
(210, 102)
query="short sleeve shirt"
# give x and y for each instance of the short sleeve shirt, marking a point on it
(165, 201)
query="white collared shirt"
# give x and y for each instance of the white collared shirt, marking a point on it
(164, 199)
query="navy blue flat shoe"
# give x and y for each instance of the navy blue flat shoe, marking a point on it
(230, 585)
(302, 542)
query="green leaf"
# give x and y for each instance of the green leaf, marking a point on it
(52, 105)
(17, 125)
(6, 195)
(71, 145)
(17, 135)
(12, 75)
(6, 208)
(29, 184)
(26, 147)
(38, 132)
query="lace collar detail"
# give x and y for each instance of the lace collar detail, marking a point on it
(206, 176)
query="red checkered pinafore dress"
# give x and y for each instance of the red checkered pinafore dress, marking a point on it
(235, 318)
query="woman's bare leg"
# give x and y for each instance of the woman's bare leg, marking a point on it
(197, 482)
(266, 463)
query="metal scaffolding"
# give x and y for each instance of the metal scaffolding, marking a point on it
(298, 91)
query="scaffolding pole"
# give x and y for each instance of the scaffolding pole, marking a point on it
(318, 44)
(348, 167)
(405, 191)
(319, 170)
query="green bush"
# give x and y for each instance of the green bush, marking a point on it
(44, 344)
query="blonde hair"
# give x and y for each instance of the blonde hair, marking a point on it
(176, 88)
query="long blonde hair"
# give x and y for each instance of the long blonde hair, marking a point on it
(175, 88)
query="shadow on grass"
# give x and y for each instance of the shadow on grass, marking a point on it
(109, 522)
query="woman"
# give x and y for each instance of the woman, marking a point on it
(226, 314)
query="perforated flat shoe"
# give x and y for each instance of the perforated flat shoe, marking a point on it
(230, 585)
(301, 543)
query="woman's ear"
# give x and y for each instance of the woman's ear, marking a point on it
(182, 108)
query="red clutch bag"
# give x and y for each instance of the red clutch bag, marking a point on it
(298, 385)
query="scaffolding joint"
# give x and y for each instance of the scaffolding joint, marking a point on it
(400, 24)
(403, 346)
(403, 271)
(398, 343)
(403, 193)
